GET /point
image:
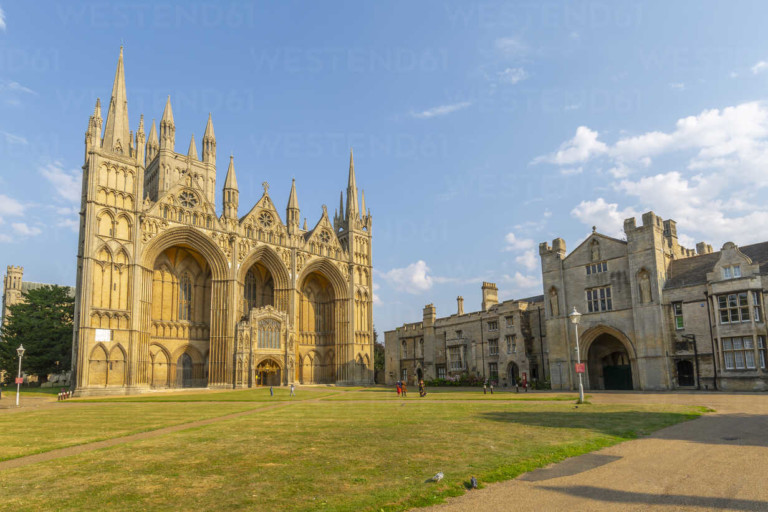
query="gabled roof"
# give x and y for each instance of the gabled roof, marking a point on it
(692, 271)
(594, 234)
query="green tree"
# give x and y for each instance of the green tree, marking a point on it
(378, 352)
(42, 322)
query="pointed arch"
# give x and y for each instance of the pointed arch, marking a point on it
(187, 237)
(331, 272)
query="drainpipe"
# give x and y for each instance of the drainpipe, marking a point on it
(482, 352)
(711, 338)
(541, 344)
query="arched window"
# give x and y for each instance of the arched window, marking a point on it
(404, 355)
(185, 297)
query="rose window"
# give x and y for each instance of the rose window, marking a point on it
(188, 200)
(265, 220)
(325, 237)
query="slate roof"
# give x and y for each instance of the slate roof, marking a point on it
(692, 271)
(535, 298)
(28, 285)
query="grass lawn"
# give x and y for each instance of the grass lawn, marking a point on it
(323, 455)
(241, 395)
(36, 431)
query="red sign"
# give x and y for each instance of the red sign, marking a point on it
(525, 379)
(19, 380)
(580, 367)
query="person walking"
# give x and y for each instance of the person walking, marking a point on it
(485, 388)
(293, 390)
(491, 387)
(404, 390)
(399, 388)
(271, 392)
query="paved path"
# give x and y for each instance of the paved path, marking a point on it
(717, 462)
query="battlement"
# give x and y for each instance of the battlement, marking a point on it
(557, 247)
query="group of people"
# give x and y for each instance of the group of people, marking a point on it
(402, 389)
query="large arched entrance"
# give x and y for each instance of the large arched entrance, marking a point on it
(317, 327)
(609, 365)
(268, 373)
(180, 316)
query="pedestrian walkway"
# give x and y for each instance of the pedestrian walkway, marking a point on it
(717, 462)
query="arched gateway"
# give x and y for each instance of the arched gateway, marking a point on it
(609, 359)
(173, 293)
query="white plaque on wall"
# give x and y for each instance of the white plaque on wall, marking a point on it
(103, 334)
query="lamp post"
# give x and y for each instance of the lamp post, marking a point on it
(19, 351)
(575, 316)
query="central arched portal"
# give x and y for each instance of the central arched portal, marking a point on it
(609, 364)
(180, 315)
(268, 373)
(317, 329)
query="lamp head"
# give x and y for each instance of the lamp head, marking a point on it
(20, 350)
(575, 316)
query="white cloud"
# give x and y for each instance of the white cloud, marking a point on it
(759, 67)
(678, 86)
(511, 46)
(376, 298)
(11, 86)
(10, 138)
(517, 244)
(441, 110)
(606, 217)
(10, 206)
(520, 283)
(414, 278)
(582, 147)
(67, 183)
(23, 229)
(529, 259)
(571, 171)
(2, 19)
(512, 76)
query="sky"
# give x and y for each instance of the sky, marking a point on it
(480, 129)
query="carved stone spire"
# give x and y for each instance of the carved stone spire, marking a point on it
(352, 208)
(209, 143)
(192, 152)
(231, 192)
(117, 131)
(293, 213)
(152, 144)
(167, 128)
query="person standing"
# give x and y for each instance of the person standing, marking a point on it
(271, 392)
(293, 390)
(399, 388)
(404, 390)
(491, 387)
(485, 388)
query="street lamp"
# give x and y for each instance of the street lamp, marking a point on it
(575, 316)
(19, 351)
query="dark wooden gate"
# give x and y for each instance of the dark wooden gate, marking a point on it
(617, 377)
(685, 373)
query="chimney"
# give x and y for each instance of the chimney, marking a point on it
(490, 295)
(460, 303)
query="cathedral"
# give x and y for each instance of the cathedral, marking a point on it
(171, 294)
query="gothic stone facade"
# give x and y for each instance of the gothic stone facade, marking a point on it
(171, 294)
(502, 343)
(656, 315)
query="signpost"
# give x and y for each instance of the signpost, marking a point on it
(580, 367)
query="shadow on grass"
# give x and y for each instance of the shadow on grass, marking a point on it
(729, 429)
(677, 500)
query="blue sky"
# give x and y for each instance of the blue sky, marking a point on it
(479, 129)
